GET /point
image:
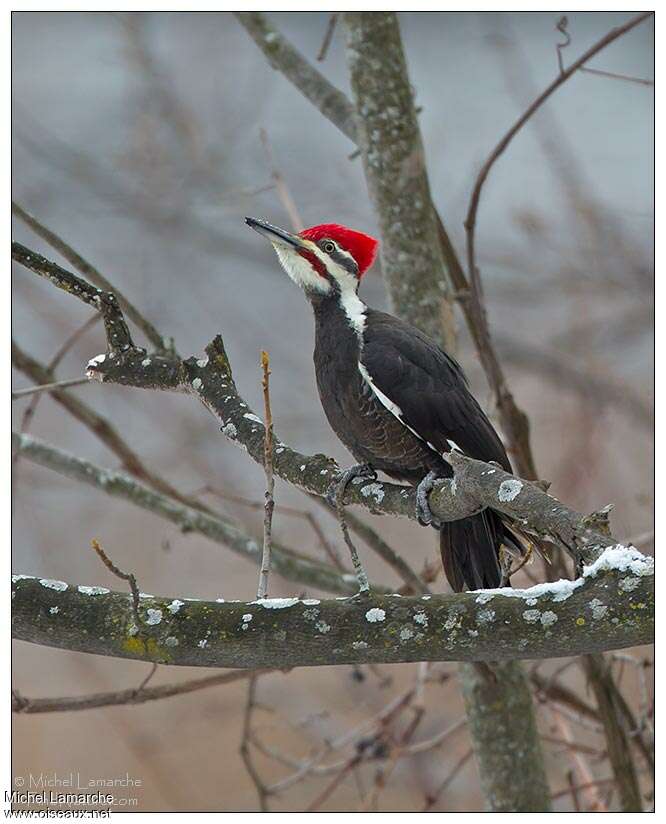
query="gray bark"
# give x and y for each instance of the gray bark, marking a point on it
(611, 607)
(389, 138)
(505, 738)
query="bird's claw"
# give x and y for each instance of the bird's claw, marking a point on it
(336, 491)
(423, 512)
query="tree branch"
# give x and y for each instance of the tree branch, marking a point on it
(610, 607)
(92, 273)
(127, 697)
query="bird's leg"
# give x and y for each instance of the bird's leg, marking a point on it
(423, 514)
(335, 497)
(505, 562)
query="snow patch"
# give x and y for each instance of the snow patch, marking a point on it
(93, 590)
(623, 559)
(59, 586)
(276, 603)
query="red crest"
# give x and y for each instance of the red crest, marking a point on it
(360, 246)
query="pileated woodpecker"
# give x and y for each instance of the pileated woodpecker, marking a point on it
(396, 400)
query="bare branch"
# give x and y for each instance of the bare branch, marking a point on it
(47, 387)
(124, 576)
(282, 56)
(269, 504)
(328, 36)
(90, 272)
(246, 740)
(128, 697)
(280, 185)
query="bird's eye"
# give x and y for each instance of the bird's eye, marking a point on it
(328, 246)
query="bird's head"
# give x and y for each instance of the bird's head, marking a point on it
(323, 259)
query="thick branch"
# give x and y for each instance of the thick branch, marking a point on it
(610, 607)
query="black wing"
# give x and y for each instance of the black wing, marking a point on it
(429, 387)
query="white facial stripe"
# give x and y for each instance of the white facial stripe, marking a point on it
(300, 270)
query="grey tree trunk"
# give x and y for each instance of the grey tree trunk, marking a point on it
(414, 268)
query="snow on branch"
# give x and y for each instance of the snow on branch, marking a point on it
(610, 606)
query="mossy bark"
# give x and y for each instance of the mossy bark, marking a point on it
(610, 610)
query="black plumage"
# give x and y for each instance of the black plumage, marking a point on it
(434, 412)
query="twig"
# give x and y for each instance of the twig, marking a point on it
(269, 504)
(562, 27)
(89, 271)
(47, 387)
(574, 790)
(470, 221)
(53, 365)
(599, 782)
(280, 185)
(575, 745)
(513, 419)
(642, 81)
(124, 576)
(148, 678)
(127, 697)
(328, 36)
(580, 763)
(554, 691)
(331, 786)
(306, 515)
(246, 739)
(432, 798)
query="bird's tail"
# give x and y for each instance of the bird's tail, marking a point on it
(471, 550)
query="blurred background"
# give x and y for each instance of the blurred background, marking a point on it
(137, 138)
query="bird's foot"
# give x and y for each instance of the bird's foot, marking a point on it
(423, 513)
(336, 492)
(335, 497)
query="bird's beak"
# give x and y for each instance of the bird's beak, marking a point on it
(276, 235)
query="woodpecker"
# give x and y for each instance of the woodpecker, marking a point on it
(397, 401)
